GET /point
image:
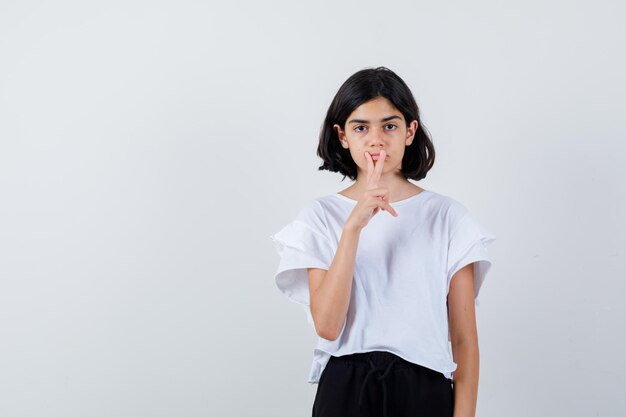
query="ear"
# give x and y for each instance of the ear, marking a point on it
(341, 135)
(410, 132)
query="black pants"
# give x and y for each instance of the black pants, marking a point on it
(381, 384)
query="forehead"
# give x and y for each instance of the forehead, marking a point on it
(375, 109)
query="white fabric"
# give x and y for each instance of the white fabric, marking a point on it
(402, 274)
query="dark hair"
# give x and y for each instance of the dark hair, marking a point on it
(363, 86)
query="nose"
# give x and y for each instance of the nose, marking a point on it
(376, 139)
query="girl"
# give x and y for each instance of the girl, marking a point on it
(387, 272)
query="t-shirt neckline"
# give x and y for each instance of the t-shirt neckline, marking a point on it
(394, 204)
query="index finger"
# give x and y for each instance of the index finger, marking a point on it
(370, 171)
(378, 169)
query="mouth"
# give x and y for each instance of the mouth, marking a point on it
(376, 156)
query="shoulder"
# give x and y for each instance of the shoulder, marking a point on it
(461, 224)
(447, 208)
(311, 209)
(314, 213)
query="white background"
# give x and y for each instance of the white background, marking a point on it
(149, 149)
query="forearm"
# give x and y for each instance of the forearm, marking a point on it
(333, 295)
(465, 377)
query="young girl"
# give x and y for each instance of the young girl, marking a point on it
(387, 272)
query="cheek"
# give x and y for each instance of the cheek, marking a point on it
(358, 156)
(358, 150)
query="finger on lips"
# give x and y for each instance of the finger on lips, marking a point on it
(373, 175)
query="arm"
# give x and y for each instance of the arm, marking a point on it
(330, 290)
(464, 338)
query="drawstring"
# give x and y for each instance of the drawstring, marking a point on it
(380, 378)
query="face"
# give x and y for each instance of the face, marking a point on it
(373, 126)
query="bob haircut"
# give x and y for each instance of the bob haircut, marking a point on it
(361, 87)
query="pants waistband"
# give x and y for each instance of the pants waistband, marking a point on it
(377, 358)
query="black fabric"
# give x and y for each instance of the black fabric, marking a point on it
(381, 384)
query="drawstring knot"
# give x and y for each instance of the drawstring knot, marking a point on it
(381, 377)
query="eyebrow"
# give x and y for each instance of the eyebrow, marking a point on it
(383, 120)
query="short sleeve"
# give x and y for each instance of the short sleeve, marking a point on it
(468, 243)
(300, 246)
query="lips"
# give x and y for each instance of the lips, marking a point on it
(376, 156)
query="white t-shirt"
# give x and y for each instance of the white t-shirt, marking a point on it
(401, 278)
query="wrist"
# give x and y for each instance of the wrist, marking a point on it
(350, 228)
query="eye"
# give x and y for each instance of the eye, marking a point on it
(392, 127)
(358, 128)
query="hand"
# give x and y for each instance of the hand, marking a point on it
(373, 198)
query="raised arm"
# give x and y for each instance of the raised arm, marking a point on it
(330, 290)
